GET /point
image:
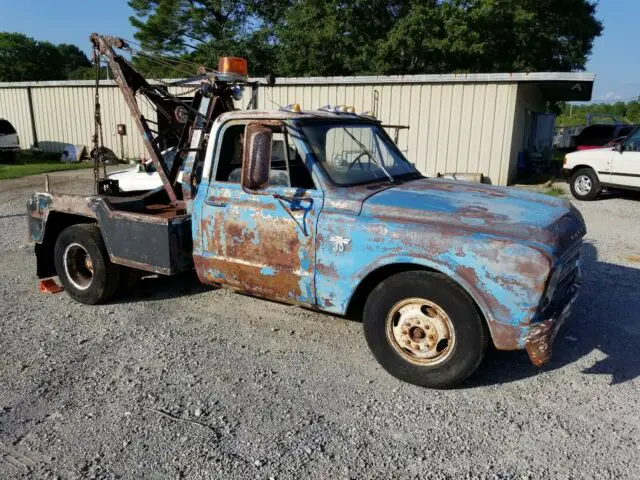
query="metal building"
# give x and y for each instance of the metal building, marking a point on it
(479, 123)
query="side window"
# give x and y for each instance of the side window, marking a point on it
(294, 174)
(633, 142)
(230, 159)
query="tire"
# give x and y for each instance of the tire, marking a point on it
(584, 184)
(442, 320)
(83, 265)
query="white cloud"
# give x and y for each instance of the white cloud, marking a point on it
(611, 96)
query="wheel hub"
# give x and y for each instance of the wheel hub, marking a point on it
(78, 266)
(583, 185)
(421, 331)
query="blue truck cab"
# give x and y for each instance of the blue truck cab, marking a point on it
(321, 209)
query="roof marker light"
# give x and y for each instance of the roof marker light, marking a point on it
(293, 107)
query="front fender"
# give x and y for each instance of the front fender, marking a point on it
(505, 278)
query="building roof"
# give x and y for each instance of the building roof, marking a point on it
(568, 86)
(555, 86)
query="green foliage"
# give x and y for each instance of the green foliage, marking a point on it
(555, 191)
(350, 37)
(72, 59)
(88, 73)
(23, 59)
(33, 164)
(577, 114)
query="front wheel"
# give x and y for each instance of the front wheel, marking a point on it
(83, 265)
(424, 329)
(585, 184)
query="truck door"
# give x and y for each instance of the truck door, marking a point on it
(625, 165)
(263, 244)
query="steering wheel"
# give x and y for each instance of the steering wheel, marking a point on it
(359, 162)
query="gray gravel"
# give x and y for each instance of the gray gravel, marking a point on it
(184, 381)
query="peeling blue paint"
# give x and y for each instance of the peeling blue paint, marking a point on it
(267, 271)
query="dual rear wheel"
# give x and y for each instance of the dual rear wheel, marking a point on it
(84, 268)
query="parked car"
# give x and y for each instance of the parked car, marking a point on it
(597, 136)
(589, 171)
(9, 142)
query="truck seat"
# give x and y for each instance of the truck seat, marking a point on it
(277, 178)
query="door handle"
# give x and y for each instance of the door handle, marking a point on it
(215, 203)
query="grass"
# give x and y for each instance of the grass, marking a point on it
(29, 163)
(555, 191)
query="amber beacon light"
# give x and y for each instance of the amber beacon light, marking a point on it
(235, 65)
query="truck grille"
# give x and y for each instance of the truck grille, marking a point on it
(566, 278)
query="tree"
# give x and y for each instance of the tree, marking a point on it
(24, 59)
(72, 59)
(347, 37)
(577, 114)
(203, 30)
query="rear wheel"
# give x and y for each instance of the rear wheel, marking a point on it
(424, 329)
(83, 265)
(585, 184)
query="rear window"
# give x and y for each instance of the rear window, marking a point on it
(596, 135)
(6, 128)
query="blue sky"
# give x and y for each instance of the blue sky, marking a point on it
(614, 60)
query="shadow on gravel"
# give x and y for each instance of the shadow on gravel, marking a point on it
(606, 318)
(14, 215)
(625, 194)
(161, 287)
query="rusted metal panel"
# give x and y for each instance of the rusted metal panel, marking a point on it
(251, 243)
(156, 243)
(41, 204)
(155, 238)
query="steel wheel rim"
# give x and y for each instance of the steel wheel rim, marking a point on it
(78, 266)
(583, 185)
(420, 331)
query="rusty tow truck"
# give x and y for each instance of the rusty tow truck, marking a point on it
(320, 209)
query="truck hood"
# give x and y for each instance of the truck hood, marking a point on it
(592, 154)
(551, 222)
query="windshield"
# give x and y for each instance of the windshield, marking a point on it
(355, 153)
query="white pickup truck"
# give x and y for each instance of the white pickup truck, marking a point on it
(589, 171)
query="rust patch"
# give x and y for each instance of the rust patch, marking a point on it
(539, 341)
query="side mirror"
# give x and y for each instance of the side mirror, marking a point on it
(619, 147)
(256, 160)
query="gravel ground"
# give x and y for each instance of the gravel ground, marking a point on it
(185, 381)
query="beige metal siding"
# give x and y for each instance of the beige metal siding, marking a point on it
(14, 106)
(463, 127)
(66, 115)
(457, 125)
